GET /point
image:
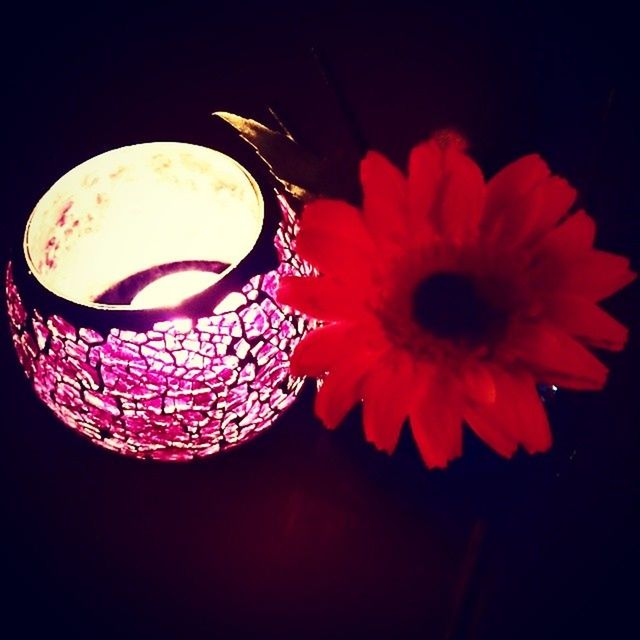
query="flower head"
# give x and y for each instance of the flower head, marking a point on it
(446, 299)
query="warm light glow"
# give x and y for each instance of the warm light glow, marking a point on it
(133, 209)
(230, 302)
(174, 288)
(182, 325)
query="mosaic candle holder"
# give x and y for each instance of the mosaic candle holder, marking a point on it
(142, 306)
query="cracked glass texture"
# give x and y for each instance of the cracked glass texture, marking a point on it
(185, 388)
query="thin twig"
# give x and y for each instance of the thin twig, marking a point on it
(280, 123)
(467, 582)
(330, 80)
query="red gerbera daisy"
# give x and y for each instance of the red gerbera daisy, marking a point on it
(447, 299)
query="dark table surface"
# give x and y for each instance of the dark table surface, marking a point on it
(303, 532)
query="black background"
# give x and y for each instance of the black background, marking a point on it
(304, 532)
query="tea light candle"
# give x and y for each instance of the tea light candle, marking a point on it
(138, 307)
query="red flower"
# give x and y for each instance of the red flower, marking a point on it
(447, 299)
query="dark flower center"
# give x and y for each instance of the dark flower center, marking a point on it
(449, 305)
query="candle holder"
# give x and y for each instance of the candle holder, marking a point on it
(142, 305)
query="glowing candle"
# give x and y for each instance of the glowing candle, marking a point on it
(131, 334)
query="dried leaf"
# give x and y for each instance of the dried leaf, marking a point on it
(303, 174)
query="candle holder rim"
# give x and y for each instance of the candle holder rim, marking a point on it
(260, 259)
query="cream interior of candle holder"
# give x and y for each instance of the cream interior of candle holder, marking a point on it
(140, 207)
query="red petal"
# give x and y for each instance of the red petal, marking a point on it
(554, 198)
(446, 191)
(436, 423)
(517, 416)
(479, 384)
(537, 212)
(597, 275)
(583, 319)
(556, 358)
(462, 198)
(425, 176)
(320, 297)
(576, 234)
(388, 390)
(564, 263)
(333, 238)
(342, 388)
(385, 198)
(337, 218)
(321, 349)
(523, 201)
(482, 422)
(520, 409)
(506, 190)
